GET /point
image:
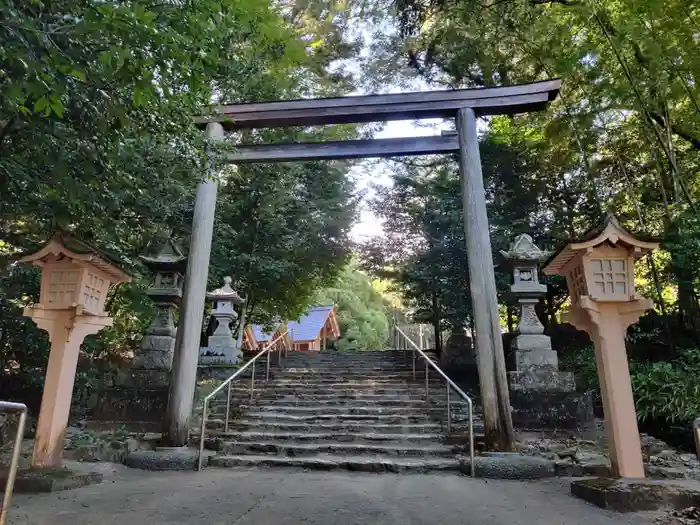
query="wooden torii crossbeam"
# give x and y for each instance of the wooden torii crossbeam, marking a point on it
(464, 105)
(371, 108)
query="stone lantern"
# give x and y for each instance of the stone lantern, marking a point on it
(222, 346)
(533, 349)
(75, 280)
(541, 395)
(157, 347)
(139, 396)
(599, 271)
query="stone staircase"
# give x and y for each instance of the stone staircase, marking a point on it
(340, 410)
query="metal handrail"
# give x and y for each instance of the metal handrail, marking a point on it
(7, 406)
(265, 351)
(449, 384)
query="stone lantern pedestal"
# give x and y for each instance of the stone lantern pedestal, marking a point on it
(542, 397)
(75, 280)
(139, 397)
(599, 272)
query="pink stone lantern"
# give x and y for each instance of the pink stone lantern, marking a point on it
(599, 272)
(75, 279)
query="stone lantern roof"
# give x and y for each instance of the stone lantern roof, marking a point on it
(63, 246)
(226, 293)
(168, 258)
(608, 231)
(524, 249)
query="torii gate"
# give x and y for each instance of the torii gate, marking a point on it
(464, 105)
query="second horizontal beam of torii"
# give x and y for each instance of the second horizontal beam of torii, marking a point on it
(346, 149)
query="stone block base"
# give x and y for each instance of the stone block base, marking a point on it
(637, 495)
(457, 358)
(218, 372)
(138, 409)
(542, 410)
(144, 379)
(51, 479)
(180, 458)
(546, 380)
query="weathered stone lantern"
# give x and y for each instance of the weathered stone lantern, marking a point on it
(599, 271)
(541, 395)
(75, 280)
(222, 346)
(158, 345)
(139, 396)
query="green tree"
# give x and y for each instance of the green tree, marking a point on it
(97, 138)
(363, 312)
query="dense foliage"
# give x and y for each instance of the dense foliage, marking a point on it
(623, 137)
(97, 139)
(363, 311)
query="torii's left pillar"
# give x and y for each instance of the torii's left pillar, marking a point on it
(184, 372)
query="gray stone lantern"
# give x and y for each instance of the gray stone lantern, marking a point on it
(222, 346)
(139, 397)
(541, 395)
(524, 257)
(156, 350)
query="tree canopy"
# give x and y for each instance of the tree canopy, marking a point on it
(97, 139)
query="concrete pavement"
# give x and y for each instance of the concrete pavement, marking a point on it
(280, 496)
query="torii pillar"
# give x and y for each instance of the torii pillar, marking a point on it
(186, 355)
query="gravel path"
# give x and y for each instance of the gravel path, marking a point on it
(276, 496)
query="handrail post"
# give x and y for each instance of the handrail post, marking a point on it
(228, 406)
(460, 392)
(449, 410)
(267, 367)
(202, 430)
(413, 354)
(471, 437)
(427, 395)
(696, 432)
(228, 382)
(16, 451)
(252, 382)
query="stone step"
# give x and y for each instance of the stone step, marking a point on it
(254, 425)
(341, 409)
(272, 395)
(321, 404)
(301, 379)
(353, 463)
(356, 368)
(339, 384)
(424, 425)
(335, 418)
(325, 437)
(395, 389)
(292, 449)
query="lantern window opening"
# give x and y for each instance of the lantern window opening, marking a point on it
(609, 276)
(62, 286)
(578, 282)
